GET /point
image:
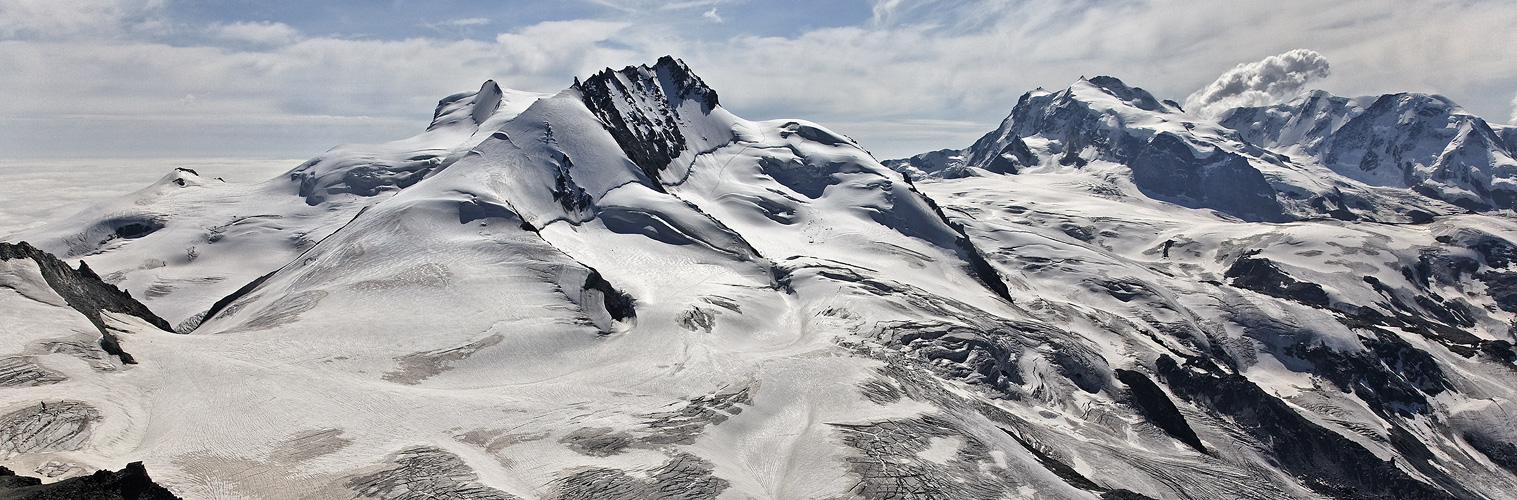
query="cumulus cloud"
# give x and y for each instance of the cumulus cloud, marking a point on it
(712, 15)
(885, 11)
(888, 77)
(1513, 120)
(50, 19)
(1262, 83)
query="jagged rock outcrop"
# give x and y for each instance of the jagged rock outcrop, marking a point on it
(129, 483)
(86, 292)
(642, 107)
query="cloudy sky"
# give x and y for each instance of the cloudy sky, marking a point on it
(290, 78)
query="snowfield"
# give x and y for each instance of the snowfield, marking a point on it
(625, 291)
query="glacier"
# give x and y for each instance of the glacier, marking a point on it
(623, 290)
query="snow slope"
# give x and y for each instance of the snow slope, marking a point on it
(625, 291)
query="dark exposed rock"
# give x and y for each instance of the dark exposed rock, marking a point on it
(965, 353)
(1121, 494)
(981, 267)
(697, 319)
(1168, 168)
(1014, 157)
(566, 192)
(1501, 453)
(641, 113)
(1261, 275)
(1445, 321)
(1498, 252)
(684, 425)
(84, 291)
(23, 371)
(424, 473)
(1502, 287)
(617, 303)
(597, 441)
(1056, 466)
(683, 477)
(9, 480)
(1393, 376)
(1132, 96)
(1500, 350)
(1325, 461)
(1159, 409)
(129, 483)
(226, 301)
(48, 427)
(1072, 476)
(889, 465)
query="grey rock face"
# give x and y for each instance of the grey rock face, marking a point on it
(597, 441)
(48, 427)
(684, 477)
(1422, 142)
(682, 426)
(1166, 168)
(86, 293)
(23, 371)
(1328, 462)
(648, 132)
(129, 483)
(426, 473)
(889, 464)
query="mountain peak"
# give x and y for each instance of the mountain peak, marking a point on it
(671, 76)
(645, 109)
(1131, 96)
(469, 108)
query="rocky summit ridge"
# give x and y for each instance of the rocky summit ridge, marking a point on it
(623, 290)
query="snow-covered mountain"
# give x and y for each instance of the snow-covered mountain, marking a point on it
(1317, 156)
(1423, 142)
(625, 291)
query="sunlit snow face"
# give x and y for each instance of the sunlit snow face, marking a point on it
(41, 190)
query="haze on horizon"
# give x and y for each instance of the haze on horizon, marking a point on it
(288, 79)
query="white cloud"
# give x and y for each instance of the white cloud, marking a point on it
(959, 61)
(274, 98)
(270, 33)
(1513, 120)
(646, 5)
(884, 11)
(970, 60)
(51, 19)
(472, 21)
(1269, 81)
(712, 15)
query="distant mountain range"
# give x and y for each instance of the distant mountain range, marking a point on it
(623, 290)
